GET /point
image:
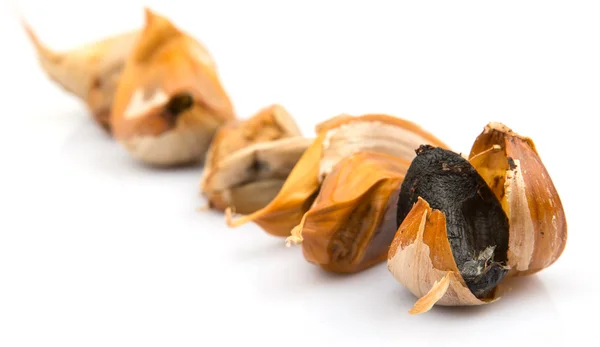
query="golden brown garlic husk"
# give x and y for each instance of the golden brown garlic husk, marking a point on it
(170, 101)
(336, 139)
(512, 167)
(90, 72)
(421, 258)
(249, 160)
(352, 222)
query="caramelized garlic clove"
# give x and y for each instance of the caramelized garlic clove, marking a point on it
(338, 138)
(169, 101)
(352, 222)
(511, 165)
(90, 72)
(449, 222)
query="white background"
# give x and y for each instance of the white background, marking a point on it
(96, 250)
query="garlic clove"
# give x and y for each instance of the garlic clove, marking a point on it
(449, 222)
(295, 197)
(338, 138)
(90, 72)
(249, 160)
(169, 101)
(265, 161)
(352, 222)
(510, 164)
(273, 159)
(246, 198)
(232, 140)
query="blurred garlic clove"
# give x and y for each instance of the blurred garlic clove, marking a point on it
(352, 222)
(337, 139)
(296, 195)
(249, 160)
(511, 166)
(90, 72)
(169, 101)
(452, 242)
(246, 198)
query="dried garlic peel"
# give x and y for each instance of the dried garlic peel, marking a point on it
(377, 133)
(90, 72)
(359, 134)
(248, 161)
(250, 178)
(421, 258)
(353, 220)
(297, 193)
(511, 166)
(169, 102)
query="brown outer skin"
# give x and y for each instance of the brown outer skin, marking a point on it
(220, 146)
(342, 119)
(107, 77)
(90, 72)
(261, 192)
(166, 58)
(351, 204)
(435, 236)
(269, 124)
(285, 211)
(545, 207)
(298, 193)
(421, 274)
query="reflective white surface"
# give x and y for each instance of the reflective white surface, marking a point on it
(97, 250)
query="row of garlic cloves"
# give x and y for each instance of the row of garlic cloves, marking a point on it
(378, 188)
(365, 190)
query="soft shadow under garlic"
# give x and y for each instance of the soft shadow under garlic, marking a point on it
(336, 139)
(466, 225)
(169, 101)
(248, 161)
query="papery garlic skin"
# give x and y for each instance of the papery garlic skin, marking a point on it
(185, 143)
(248, 161)
(169, 102)
(90, 72)
(294, 198)
(346, 135)
(421, 259)
(250, 178)
(352, 222)
(338, 138)
(245, 198)
(511, 165)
